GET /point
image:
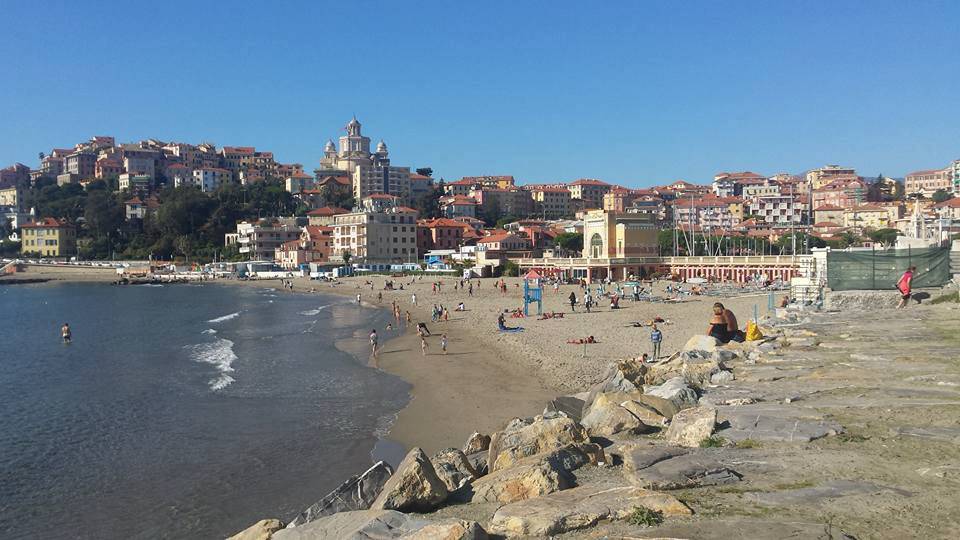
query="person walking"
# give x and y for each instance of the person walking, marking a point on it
(374, 342)
(423, 344)
(905, 286)
(656, 337)
(413, 298)
(443, 343)
(573, 301)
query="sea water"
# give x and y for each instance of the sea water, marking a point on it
(182, 411)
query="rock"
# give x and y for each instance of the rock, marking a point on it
(664, 407)
(578, 508)
(570, 406)
(261, 530)
(694, 366)
(515, 484)
(357, 493)
(676, 391)
(478, 460)
(641, 456)
(570, 457)
(606, 417)
(453, 468)
(690, 426)
(832, 489)
(701, 343)
(476, 443)
(448, 529)
(774, 422)
(738, 527)
(690, 470)
(382, 525)
(647, 414)
(527, 437)
(721, 377)
(414, 487)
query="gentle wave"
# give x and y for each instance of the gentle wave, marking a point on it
(225, 318)
(209, 331)
(312, 312)
(219, 354)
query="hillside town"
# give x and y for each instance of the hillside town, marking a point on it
(171, 201)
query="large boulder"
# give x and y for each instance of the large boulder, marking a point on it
(414, 487)
(647, 414)
(527, 437)
(448, 529)
(477, 442)
(694, 366)
(453, 468)
(357, 493)
(677, 391)
(478, 460)
(261, 530)
(625, 375)
(607, 417)
(382, 525)
(701, 343)
(690, 427)
(516, 483)
(578, 508)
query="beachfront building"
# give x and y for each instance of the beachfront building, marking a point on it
(380, 232)
(708, 212)
(260, 239)
(615, 245)
(439, 233)
(928, 182)
(314, 245)
(777, 210)
(48, 237)
(370, 172)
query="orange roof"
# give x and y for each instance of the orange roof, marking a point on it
(328, 211)
(949, 203)
(135, 200)
(588, 182)
(828, 207)
(415, 176)
(314, 230)
(440, 222)
(825, 224)
(493, 238)
(926, 172)
(45, 223)
(381, 196)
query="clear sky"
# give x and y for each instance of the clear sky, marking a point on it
(638, 93)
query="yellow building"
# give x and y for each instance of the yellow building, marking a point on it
(611, 235)
(48, 238)
(866, 217)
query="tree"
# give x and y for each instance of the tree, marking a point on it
(347, 256)
(425, 171)
(786, 242)
(898, 191)
(511, 269)
(490, 211)
(941, 195)
(887, 237)
(428, 206)
(570, 241)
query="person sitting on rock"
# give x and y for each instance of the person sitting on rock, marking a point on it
(723, 325)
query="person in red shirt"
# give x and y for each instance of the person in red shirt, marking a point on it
(905, 286)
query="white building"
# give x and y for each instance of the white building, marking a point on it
(778, 210)
(380, 232)
(208, 179)
(371, 172)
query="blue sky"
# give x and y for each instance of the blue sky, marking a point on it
(638, 93)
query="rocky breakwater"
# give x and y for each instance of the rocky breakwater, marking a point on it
(605, 459)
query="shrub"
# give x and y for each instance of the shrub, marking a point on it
(645, 517)
(713, 441)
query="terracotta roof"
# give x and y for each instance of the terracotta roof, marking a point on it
(415, 176)
(328, 211)
(238, 149)
(314, 230)
(588, 182)
(440, 222)
(828, 207)
(927, 171)
(493, 238)
(135, 200)
(825, 224)
(949, 203)
(405, 209)
(45, 223)
(381, 196)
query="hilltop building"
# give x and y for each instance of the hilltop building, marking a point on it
(370, 172)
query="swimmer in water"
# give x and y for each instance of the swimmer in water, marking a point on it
(65, 333)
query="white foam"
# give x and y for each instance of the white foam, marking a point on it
(225, 318)
(209, 331)
(312, 312)
(220, 355)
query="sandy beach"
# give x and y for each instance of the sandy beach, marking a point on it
(489, 376)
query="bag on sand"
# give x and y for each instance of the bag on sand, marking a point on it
(753, 332)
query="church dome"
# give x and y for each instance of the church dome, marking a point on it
(381, 147)
(329, 147)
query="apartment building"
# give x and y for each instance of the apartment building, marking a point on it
(259, 240)
(440, 233)
(551, 202)
(817, 178)
(208, 179)
(48, 237)
(777, 210)
(381, 232)
(840, 193)
(589, 191)
(929, 182)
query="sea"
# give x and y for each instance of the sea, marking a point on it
(181, 411)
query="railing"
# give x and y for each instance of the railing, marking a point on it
(738, 260)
